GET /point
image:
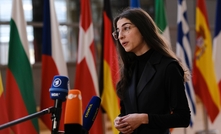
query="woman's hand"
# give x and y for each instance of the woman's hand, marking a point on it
(122, 126)
(135, 120)
(127, 124)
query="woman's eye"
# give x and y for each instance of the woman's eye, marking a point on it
(127, 28)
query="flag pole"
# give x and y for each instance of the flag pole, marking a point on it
(206, 125)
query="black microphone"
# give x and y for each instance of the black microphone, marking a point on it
(90, 113)
(58, 92)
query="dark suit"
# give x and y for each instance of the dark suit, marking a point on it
(159, 91)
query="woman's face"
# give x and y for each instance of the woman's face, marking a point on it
(130, 37)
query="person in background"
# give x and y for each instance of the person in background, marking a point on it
(151, 88)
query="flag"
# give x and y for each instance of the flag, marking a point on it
(86, 79)
(183, 51)
(109, 68)
(19, 81)
(135, 3)
(216, 44)
(53, 62)
(161, 20)
(3, 110)
(204, 79)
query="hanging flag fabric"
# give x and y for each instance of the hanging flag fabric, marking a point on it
(19, 81)
(183, 51)
(217, 45)
(53, 62)
(135, 3)
(86, 79)
(3, 112)
(204, 79)
(161, 20)
(109, 68)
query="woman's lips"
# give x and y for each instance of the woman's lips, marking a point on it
(124, 44)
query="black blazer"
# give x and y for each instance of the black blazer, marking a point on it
(160, 93)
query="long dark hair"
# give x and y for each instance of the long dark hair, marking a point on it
(151, 34)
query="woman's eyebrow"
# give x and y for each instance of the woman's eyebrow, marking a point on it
(125, 24)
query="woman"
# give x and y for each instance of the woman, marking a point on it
(151, 88)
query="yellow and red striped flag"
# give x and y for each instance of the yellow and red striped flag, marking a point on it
(204, 80)
(109, 69)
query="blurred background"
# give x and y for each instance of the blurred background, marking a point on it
(68, 15)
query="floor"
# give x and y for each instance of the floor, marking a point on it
(198, 127)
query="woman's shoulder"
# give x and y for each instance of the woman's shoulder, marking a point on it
(160, 58)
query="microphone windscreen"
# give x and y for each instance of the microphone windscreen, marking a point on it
(73, 112)
(90, 112)
(59, 88)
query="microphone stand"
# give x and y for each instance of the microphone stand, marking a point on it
(45, 111)
(56, 116)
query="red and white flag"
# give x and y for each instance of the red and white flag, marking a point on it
(86, 79)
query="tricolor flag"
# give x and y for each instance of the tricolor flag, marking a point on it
(161, 20)
(109, 69)
(3, 109)
(217, 45)
(19, 81)
(183, 51)
(53, 62)
(86, 79)
(135, 3)
(204, 79)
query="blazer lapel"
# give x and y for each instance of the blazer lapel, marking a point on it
(148, 71)
(132, 92)
(147, 74)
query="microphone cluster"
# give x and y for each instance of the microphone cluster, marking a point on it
(74, 121)
(73, 113)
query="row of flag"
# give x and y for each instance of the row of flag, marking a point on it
(205, 77)
(18, 98)
(205, 64)
(18, 95)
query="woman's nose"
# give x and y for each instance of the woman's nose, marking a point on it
(120, 35)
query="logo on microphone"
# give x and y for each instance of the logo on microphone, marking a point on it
(57, 82)
(72, 96)
(88, 110)
(55, 94)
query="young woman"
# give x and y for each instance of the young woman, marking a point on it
(151, 88)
